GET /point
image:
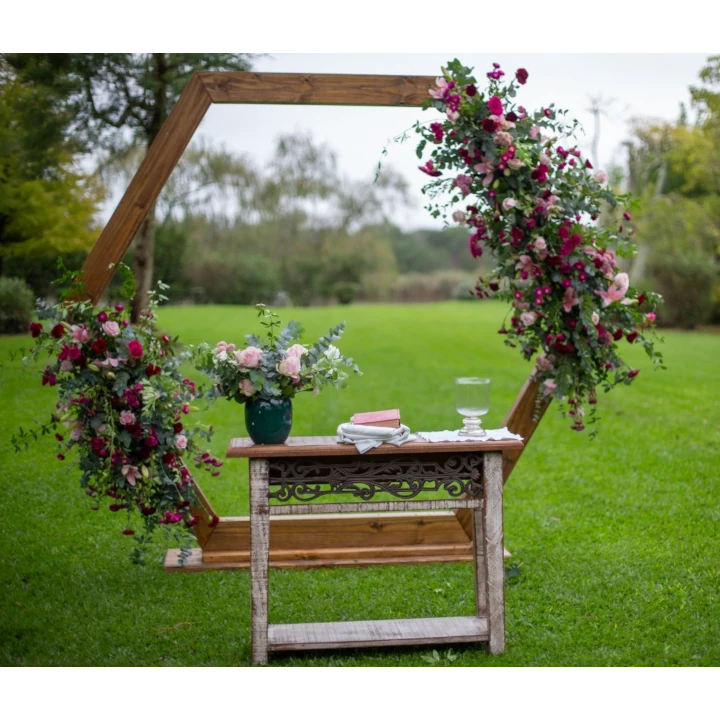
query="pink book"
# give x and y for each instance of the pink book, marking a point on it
(381, 418)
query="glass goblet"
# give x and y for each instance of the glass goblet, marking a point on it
(472, 402)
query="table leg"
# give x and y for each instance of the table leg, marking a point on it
(259, 550)
(479, 559)
(493, 542)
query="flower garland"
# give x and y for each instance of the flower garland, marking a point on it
(535, 206)
(124, 405)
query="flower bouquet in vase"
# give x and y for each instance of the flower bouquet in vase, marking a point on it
(267, 373)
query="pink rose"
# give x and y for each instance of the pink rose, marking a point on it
(528, 318)
(515, 163)
(600, 176)
(544, 159)
(66, 366)
(540, 243)
(250, 357)
(509, 203)
(550, 385)
(126, 418)
(247, 388)
(111, 328)
(534, 132)
(459, 217)
(79, 334)
(296, 351)
(595, 318)
(289, 367)
(544, 365)
(181, 442)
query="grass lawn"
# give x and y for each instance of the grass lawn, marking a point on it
(617, 539)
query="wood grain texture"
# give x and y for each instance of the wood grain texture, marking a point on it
(328, 446)
(359, 530)
(479, 563)
(259, 547)
(196, 564)
(203, 510)
(320, 89)
(374, 506)
(377, 633)
(155, 169)
(494, 561)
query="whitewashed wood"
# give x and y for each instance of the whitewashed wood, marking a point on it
(377, 633)
(259, 555)
(352, 507)
(494, 556)
(479, 562)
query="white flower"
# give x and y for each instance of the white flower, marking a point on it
(332, 353)
(222, 356)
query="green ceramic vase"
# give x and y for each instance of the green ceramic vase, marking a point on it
(268, 422)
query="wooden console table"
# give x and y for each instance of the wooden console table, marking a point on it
(287, 479)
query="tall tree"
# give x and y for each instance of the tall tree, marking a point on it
(47, 204)
(118, 101)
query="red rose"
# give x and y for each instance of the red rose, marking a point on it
(151, 370)
(633, 373)
(99, 346)
(58, 331)
(489, 125)
(35, 329)
(617, 335)
(641, 298)
(471, 91)
(128, 531)
(177, 428)
(135, 349)
(522, 75)
(632, 336)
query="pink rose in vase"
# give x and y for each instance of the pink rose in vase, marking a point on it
(296, 351)
(250, 357)
(247, 388)
(289, 367)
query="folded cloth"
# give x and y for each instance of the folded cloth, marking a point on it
(455, 436)
(366, 437)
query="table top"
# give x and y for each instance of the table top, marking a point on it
(328, 446)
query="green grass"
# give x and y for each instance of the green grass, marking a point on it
(617, 539)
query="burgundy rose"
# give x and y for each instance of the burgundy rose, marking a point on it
(151, 441)
(511, 116)
(99, 346)
(471, 90)
(617, 335)
(489, 125)
(35, 329)
(128, 531)
(194, 521)
(632, 337)
(147, 511)
(102, 317)
(633, 373)
(522, 75)
(58, 331)
(97, 444)
(641, 298)
(177, 428)
(151, 370)
(135, 349)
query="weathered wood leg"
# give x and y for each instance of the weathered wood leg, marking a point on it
(494, 561)
(479, 559)
(259, 550)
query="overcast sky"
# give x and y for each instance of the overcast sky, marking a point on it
(639, 85)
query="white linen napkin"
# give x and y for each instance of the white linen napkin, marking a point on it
(366, 437)
(455, 436)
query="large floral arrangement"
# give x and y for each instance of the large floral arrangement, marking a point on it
(533, 201)
(276, 366)
(123, 408)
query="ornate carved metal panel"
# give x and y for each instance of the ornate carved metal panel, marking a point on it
(363, 477)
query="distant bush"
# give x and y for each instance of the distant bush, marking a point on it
(686, 280)
(16, 305)
(345, 292)
(40, 271)
(417, 287)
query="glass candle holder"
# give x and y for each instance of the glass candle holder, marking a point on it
(472, 402)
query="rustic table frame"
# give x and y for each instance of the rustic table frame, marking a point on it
(470, 472)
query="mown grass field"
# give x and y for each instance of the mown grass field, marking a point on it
(617, 539)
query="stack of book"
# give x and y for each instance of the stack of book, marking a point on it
(380, 418)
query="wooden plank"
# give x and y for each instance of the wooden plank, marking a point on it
(203, 510)
(259, 547)
(479, 563)
(523, 419)
(493, 542)
(155, 169)
(340, 553)
(374, 506)
(328, 446)
(377, 633)
(317, 89)
(332, 531)
(195, 562)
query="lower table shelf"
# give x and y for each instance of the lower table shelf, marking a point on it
(377, 633)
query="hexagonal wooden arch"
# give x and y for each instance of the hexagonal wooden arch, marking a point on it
(296, 541)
